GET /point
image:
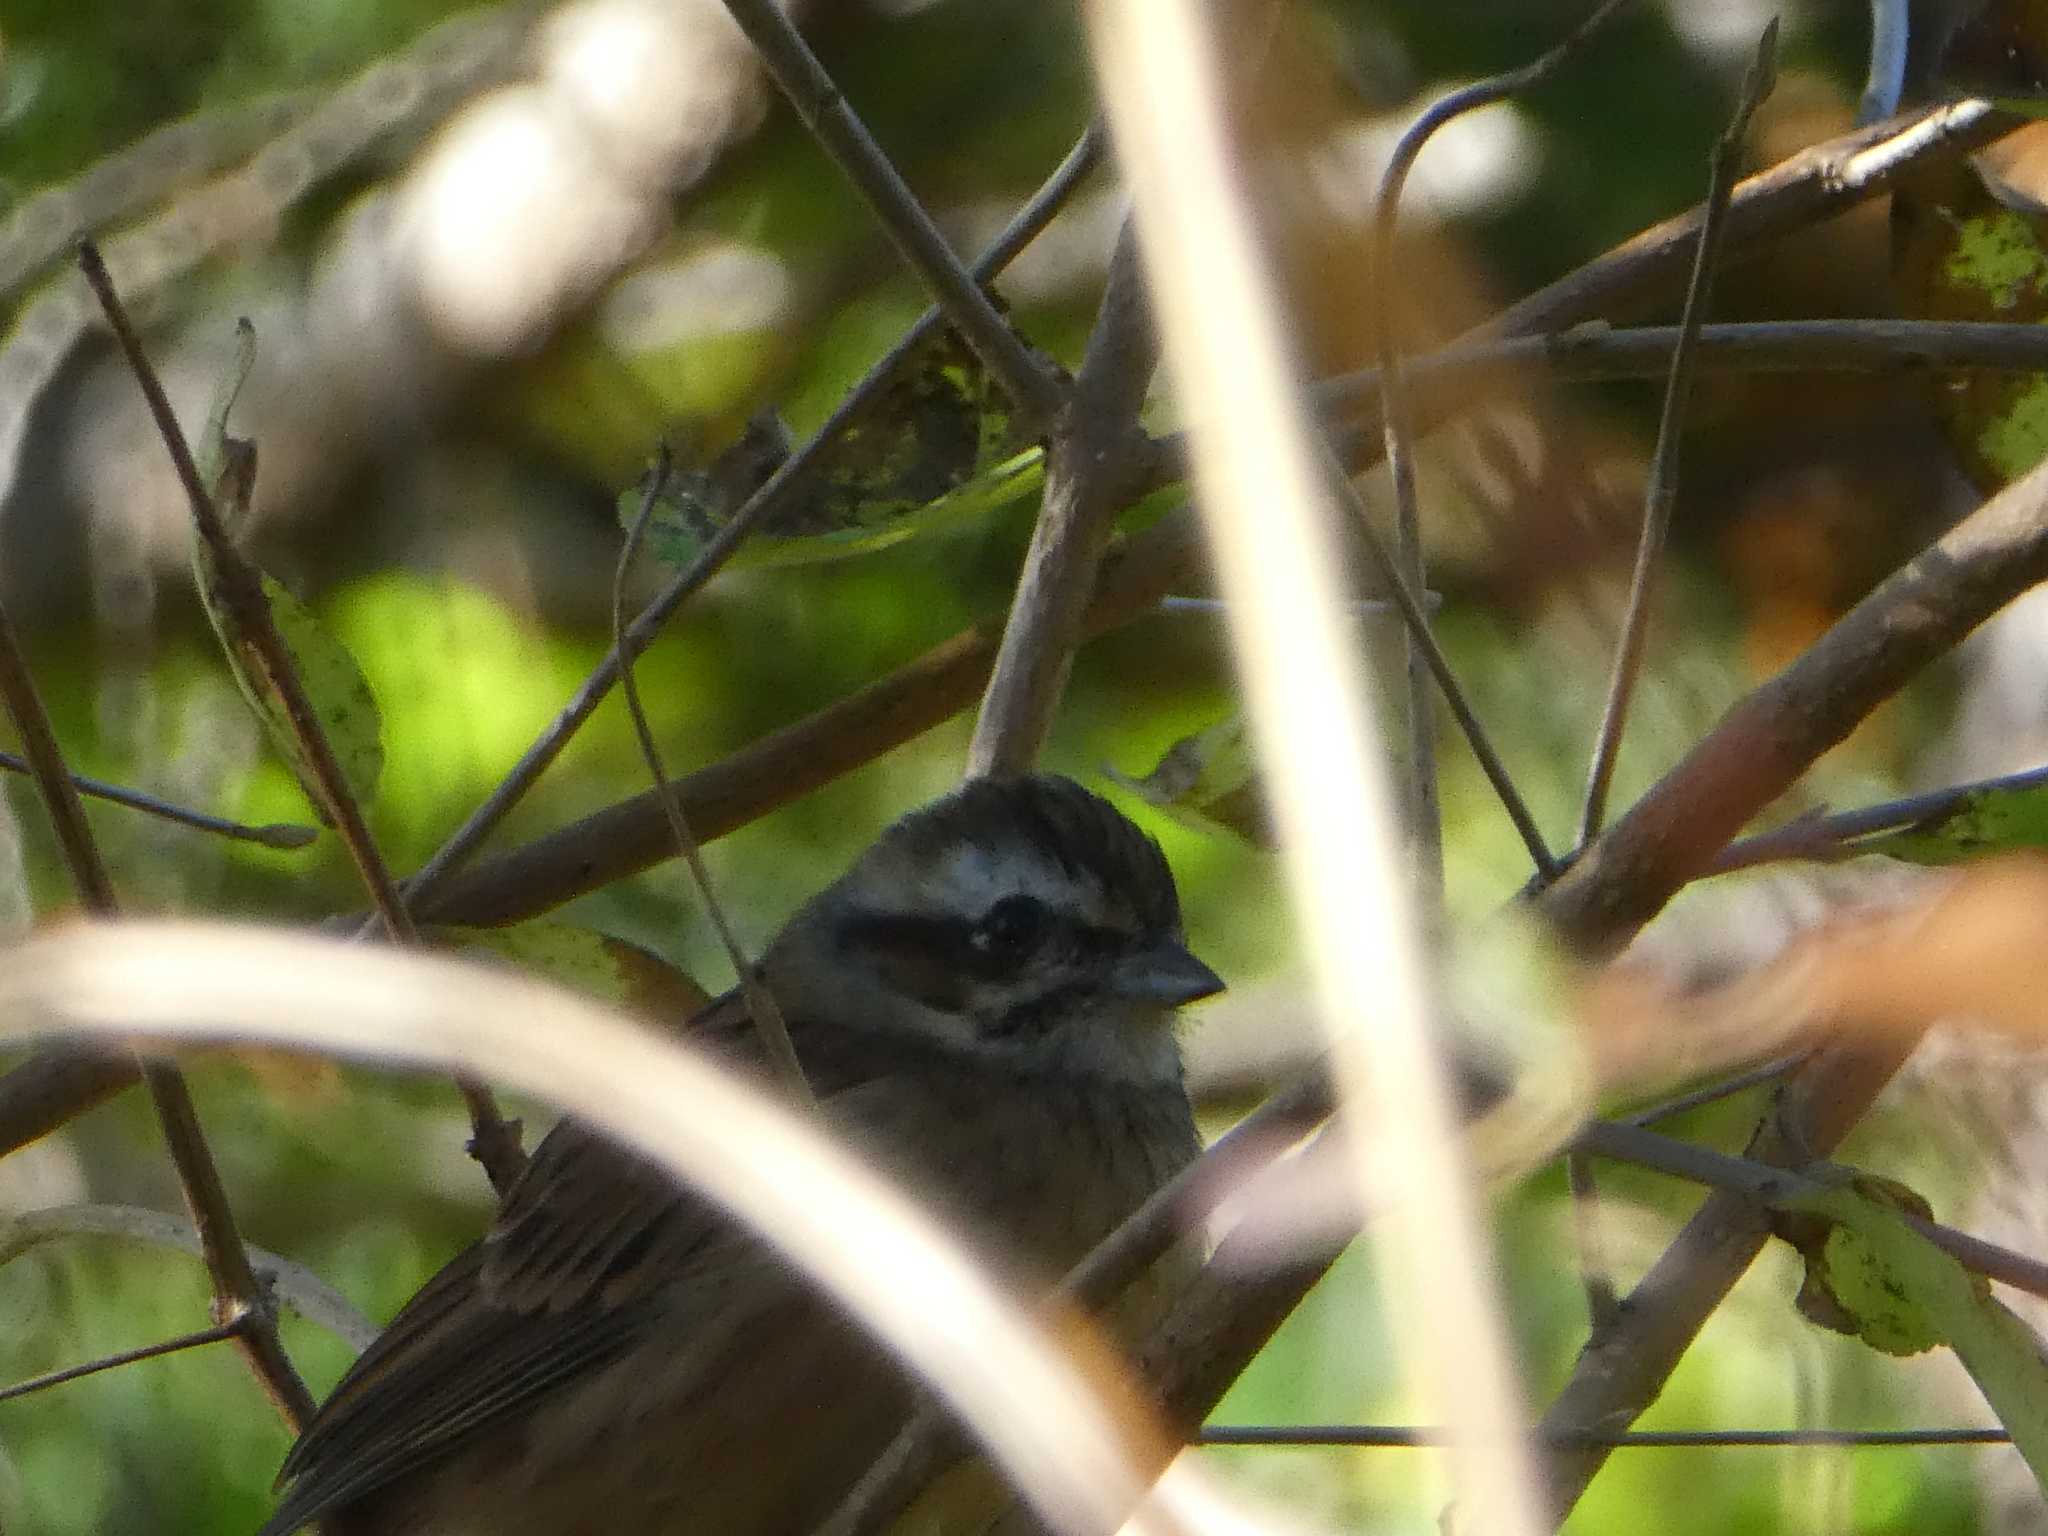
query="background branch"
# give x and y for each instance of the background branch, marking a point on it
(1090, 460)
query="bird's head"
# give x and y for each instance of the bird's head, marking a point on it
(1024, 920)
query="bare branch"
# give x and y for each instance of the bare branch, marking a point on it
(1414, 615)
(1453, 378)
(494, 1141)
(237, 1297)
(275, 835)
(1778, 1186)
(1806, 189)
(765, 503)
(1088, 477)
(1662, 492)
(231, 1329)
(1762, 745)
(294, 1286)
(761, 1004)
(1403, 1437)
(1398, 433)
(1829, 837)
(1659, 498)
(824, 109)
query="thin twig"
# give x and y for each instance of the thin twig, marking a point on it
(764, 504)
(292, 1286)
(1031, 386)
(277, 834)
(1426, 829)
(1620, 1373)
(1088, 476)
(1661, 495)
(761, 1005)
(1824, 837)
(1401, 1436)
(233, 1328)
(236, 1292)
(1657, 502)
(1414, 616)
(1713, 1093)
(1460, 376)
(1777, 1187)
(494, 1141)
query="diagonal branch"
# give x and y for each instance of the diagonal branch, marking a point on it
(770, 499)
(1762, 745)
(1398, 433)
(1622, 1370)
(1088, 478)
(1032, 386)
(1661, 496)
(239, 1300)
(494, 1141)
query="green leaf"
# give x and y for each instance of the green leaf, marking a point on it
(1959, 253)
(1995, 819)
(588, 962)
(328, 673)
(934, 450)
(1901, 1294)
(1209, 781)
(333, 682)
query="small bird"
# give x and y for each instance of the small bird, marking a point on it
(983, 1004)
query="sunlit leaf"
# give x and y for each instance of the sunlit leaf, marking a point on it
(1877, 1278)
(1209, 781)
(1995, 819)
(340, 696)
(933, 451)
(1965, 249)
(332, 681)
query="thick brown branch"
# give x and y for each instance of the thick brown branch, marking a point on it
(1775, 733)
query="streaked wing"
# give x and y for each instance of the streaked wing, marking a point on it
(449, 1365)
(562, 1286)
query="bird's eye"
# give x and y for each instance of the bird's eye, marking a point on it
(1011, 929)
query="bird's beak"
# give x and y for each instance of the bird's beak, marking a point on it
(1165, 973)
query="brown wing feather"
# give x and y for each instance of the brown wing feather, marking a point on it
(560, 1287)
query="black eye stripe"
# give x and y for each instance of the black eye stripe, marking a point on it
(963, 943)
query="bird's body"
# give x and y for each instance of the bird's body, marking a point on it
(981, 1005)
